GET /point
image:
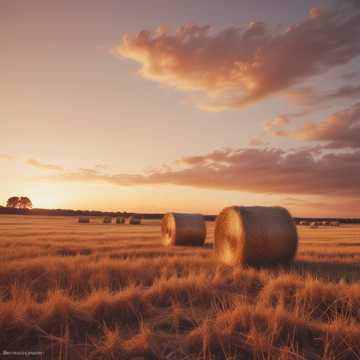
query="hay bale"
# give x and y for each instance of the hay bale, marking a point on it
(84, 219)
(304, 223)
(314, 225)
(120, 219)
(107, 220)
(334, 223)
(134, 220)
(325, 223)
(183, 229)
(255, 235)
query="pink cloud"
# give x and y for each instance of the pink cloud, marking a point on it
(240, 65)
(340, 130)
(251, 170)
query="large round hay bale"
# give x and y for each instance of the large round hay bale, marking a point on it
(134, 220)
(183, 229)
(120, 219)
(107, 220)
(84, 219)
(255, 236)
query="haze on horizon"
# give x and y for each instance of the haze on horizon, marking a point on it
(181, 106)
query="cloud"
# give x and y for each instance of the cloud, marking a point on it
(303, 171)
(241, 65)
(277, 122)
(40, 165)
(350, 75)
(311, 99)
(347, 91)
(338, 131)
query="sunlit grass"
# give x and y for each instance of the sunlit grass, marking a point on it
(95, 291)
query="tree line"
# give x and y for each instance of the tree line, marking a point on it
(22, 205)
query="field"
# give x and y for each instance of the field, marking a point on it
(96, 291)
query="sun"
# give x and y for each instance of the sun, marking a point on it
(45, 198)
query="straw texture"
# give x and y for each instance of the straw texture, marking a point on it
(183, 229)
(84, 219)
(255, 236)
(134, 220)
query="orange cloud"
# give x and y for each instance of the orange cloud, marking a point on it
(251, 170)
(340, 130)
(40, 165)
(238, 66)
(277, 122)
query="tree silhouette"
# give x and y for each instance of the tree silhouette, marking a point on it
(25, 203)
(16, 202)
(13, 202)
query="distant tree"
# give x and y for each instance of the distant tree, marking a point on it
(19, 202)
(25, 203)
(13, 202)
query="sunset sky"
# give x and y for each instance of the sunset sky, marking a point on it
(181, 105)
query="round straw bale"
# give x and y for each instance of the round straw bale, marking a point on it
(255, 235)
(84, 219)
(334, 223)
(134, 220)
(120, 219)
(183, 229)
(314, 224)
(107, 220)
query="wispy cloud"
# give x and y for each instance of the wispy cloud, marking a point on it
(44, 166)
(238, 66)
(303, 171)
(347, 91)
(338, 131)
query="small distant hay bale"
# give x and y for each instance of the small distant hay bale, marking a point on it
(120, 219)
(314, 225)
(335, 223)
(255, 236)
(107, 220)
(325, 223)
(304, 223)
(183, 229)
(134, 220)
(84, 219)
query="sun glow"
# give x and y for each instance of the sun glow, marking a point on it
(45, 198)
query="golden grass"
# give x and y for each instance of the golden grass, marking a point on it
(95, 291)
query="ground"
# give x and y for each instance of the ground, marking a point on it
(101, 291)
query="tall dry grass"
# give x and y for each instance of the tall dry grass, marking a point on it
(95, 291)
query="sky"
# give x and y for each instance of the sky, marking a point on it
(181, 105)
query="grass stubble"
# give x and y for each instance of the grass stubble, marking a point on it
(96, 291)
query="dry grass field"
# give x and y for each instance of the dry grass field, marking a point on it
(100, 291)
